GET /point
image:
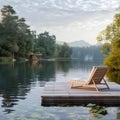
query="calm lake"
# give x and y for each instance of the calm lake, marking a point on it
(21, 86)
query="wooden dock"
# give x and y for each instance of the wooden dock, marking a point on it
(60, 93)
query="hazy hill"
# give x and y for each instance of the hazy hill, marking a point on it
(80, 43)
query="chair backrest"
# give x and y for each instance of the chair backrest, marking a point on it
(97, 74)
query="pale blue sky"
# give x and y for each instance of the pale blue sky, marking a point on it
(69, 20)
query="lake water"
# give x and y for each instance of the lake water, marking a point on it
(21, 86)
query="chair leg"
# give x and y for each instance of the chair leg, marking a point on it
(95, 86)
(106, 83)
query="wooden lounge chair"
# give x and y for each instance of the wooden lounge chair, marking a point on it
(95, 78)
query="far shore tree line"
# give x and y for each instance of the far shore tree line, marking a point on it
(18, 40)
(87, 53)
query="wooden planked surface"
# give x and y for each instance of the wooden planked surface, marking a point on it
(56, 93)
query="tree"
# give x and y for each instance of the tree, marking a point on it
(25, 38)
(63, 51)
(3, 52)
(45, 44)
(111, 35)
(15, 36)
(106, 48)
(9, 24)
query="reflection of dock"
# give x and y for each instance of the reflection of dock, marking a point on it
(34, 56)
(56, 93)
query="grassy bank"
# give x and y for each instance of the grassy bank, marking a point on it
(10, 59)
(6, 59)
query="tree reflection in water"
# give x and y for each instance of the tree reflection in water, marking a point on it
(16, 81)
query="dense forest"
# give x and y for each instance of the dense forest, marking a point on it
(18, 40)
(15, 35)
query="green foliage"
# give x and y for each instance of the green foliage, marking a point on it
(15, 36)
(113, 61)
(45, 44)
(111, 35)
(25, 39)
(17, 40)
(97, 111)
(63, 51)
(91, 105)
(9, 26)
(21, 59)
(5, 59)
(105, 49)
(114, 75)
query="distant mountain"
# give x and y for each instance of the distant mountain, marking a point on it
(60, 42)
(80, 43)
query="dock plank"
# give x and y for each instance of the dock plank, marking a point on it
(56, 93)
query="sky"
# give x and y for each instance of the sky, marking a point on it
(68, 20)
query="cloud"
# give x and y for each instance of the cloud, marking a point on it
(65, 15)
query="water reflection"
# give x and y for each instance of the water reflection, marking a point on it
(85, 65)
(12, 80)
(17, 80)
(113, 75)
(63, 66)
(46, 72)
